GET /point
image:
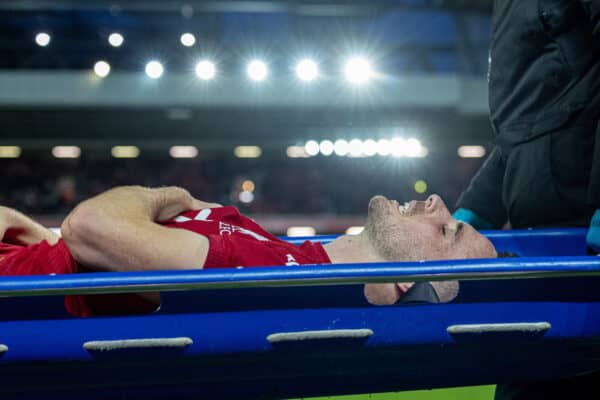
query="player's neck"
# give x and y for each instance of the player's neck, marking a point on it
(351, 249)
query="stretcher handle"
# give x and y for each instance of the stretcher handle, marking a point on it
(131, 344)
(327, 334)
(511, 327)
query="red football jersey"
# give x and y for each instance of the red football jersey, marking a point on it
(235, 241)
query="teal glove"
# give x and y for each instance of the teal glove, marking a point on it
(593, 235)
(469, 217)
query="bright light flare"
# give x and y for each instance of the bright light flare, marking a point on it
(384, 147)
(10, 151)
(307, 70)
(341, 147)
(370, 147)
(183, 151)
(296, 152)
(246, 197)
(188, 39)
(102, 69)
(420, 186)
(296, 231)
(257, 70)
(354, 230)
(42, 39)
(397, 147)
(125, 152)
(471, 151)
(326, 147)
(66, 151)
(358, 71)
(115, 39)
(154, 69)
(356, 148)
(206, 70)
(247, 151)
(312, 148)
(248, 186)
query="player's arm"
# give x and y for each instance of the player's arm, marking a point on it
(17, 228)
(117, 231)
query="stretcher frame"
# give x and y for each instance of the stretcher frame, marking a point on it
(303, 331)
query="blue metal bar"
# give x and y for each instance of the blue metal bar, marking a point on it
(121, 282)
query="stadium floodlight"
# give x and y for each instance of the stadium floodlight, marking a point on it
(312, 148)
(383, 147)
(326, 147)
(398, 147)
(188, 39)
(341, 147)
(356, 148)
(307, 70)
(358, 71)
(247, 151)
(206, 70)
(115, 39)
(246, 197)
(257, 70)
(296, 152)
(354, 230)
(66, 151)
(248, 185)
(299, 231)
(42, 39)
(471, 151)
(369, 147)
(183, 151)
(154, 69)
(102, 69)
(10, 151)
(125, 152)
(414, 148)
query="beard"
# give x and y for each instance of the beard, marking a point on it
(391, 239)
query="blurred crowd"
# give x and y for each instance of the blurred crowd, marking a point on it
(276, 186)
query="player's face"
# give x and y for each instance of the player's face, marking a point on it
(422, 230)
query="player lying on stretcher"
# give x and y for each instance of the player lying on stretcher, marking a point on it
(136, 228)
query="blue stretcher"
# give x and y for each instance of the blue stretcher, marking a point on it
(307, 331)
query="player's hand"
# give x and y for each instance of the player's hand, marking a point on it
(593, 235)
(469, 217)
(172, 201)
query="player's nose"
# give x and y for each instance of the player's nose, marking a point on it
(435, 204)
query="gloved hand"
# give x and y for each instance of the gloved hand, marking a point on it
(593, 235)
(469, 217)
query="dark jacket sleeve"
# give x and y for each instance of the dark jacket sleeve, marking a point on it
(484, 194)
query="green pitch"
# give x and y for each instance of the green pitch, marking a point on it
(461, 393)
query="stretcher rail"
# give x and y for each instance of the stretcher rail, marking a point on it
(337, 274)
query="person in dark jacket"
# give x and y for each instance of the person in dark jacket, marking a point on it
(544, 169)
(544, 97)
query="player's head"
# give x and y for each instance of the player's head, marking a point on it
(422, 230)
